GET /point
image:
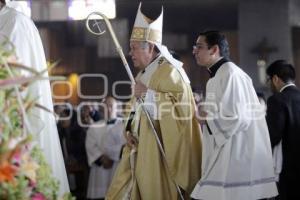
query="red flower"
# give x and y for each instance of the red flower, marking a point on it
(7, 172)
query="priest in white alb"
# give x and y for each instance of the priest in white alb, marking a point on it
(237, 157)
(104, 143)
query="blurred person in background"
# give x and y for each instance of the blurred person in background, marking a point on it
(283, 118)
(104, 143)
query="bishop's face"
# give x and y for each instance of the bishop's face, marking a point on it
(141, 54)
(203, 54)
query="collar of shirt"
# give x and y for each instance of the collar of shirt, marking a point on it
(158, 55)
(214, 68)
(287, 85)
(146, 74)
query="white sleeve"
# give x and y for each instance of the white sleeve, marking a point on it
(231, 112)
(277, 158)
(114, 142)
(92, 148)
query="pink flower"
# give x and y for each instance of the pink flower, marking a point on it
(16, 159)
(32, 183)
(38, 196)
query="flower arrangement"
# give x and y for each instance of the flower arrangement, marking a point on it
(24, 173)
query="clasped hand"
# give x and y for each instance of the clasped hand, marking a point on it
(139, 89)
(131, 140)
(104, 161)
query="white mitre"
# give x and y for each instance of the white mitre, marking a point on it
(145, 29)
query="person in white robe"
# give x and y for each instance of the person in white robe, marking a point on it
(104, 142)
(237, 156)
(21, 31)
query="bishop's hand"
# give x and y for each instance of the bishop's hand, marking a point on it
(201, 117)
(131, 140)
(139, 89)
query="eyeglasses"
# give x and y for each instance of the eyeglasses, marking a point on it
(268, 80)
(199, 46)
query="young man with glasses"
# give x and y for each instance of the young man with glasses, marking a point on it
(237, 157)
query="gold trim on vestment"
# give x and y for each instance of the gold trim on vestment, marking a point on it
(144, 34)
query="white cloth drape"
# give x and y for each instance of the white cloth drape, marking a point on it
(277, 159)
(21, 31)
